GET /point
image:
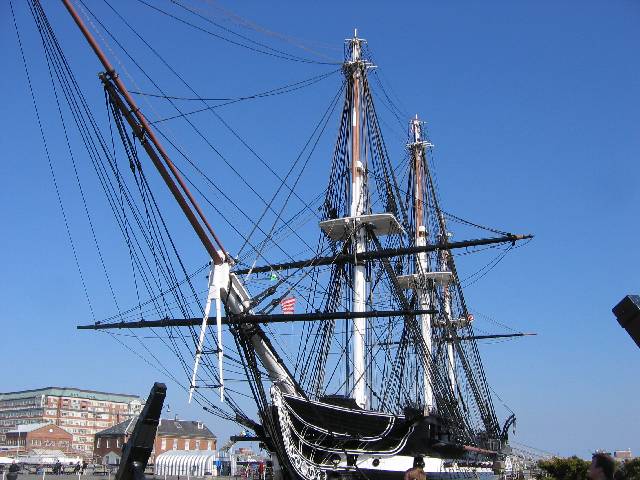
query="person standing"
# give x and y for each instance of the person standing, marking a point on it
(13, 471)
(417, 472)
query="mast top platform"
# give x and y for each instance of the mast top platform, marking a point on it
(417, 280)
(339, 229)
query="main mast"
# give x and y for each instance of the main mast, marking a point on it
(357, 209)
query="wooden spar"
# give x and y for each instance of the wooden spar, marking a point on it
(276, 369)
(379, 254)
(254, 319)
(245, 438)
(478, 337)
(151, 152)
(470, 448)
(500, 335)
(144, 131)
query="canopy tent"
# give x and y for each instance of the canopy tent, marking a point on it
(196, 463)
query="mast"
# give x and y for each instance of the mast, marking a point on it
(444, 266)
(422, 259)
(357, 209)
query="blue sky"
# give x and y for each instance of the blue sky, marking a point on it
(533, 110)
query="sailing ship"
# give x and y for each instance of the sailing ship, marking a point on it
(388, 369)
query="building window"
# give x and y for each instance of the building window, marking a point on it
(209, 445)
(186, 444)
(107, 443)
(98, 443)
(197, 444)
(175, 443)
(163, 445)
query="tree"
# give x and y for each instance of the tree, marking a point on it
(629, 470)
(572, 468)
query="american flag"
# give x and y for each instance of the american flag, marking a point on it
(288, 305)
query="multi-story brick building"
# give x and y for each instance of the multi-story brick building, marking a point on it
(171, 435)
(80, 412)
(39, 436)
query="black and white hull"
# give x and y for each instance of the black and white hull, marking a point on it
(320, 441)
(390, 468)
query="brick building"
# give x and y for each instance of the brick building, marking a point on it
(171, 435)
(80, 412)
(26, 438)
(622, 455)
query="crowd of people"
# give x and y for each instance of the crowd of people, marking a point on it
(58, 468)
(78, 468)
(255, 471)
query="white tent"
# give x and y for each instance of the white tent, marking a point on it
(195, 463)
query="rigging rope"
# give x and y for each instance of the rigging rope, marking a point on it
(68, 84)
(267, 93)
(50, 163)
(265, 51)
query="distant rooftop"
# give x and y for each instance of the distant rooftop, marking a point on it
(178, 428)
(70, 392)
(56, 454)
(30, 427)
